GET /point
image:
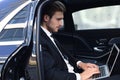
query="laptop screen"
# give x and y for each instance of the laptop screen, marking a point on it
(113, 57)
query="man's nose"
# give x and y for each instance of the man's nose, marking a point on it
(61, 23)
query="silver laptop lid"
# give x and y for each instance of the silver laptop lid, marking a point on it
(113, 57)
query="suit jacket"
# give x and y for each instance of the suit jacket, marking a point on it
(54, 66)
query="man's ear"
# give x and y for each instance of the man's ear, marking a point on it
(46, 18)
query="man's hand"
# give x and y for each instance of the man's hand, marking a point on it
(85, 66)
(89, 70)
(86, 74)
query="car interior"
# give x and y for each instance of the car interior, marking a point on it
(15, 66)
(88, 45)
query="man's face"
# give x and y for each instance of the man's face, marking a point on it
(55, 22)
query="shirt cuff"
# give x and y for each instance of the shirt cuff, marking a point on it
(78, 62)
(78, 77)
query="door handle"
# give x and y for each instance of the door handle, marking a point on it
(98, 49)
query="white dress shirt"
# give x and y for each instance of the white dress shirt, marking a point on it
(70, 67)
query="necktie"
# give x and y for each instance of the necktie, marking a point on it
(59, 46)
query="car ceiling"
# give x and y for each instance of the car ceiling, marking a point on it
(74, 5)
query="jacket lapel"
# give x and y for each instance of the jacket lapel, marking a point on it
(53, 49)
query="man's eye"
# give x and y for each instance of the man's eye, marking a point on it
(59, 19)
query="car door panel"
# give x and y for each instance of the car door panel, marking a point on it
(88, 42)
(99, 39)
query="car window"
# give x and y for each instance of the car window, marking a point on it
(22, 16)
(97, 18)
(11, 34)
(6, 6)
(32, 65)
(15, 29)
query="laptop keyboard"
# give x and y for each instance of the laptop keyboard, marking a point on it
(102, 72)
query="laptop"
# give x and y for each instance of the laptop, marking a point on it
(107, 68)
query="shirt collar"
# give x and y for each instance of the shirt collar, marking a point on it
(46, 31)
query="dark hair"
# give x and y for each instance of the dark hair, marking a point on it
(51, 7)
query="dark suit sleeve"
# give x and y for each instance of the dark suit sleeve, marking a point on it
(72, 60)
(54, 66)
(52, 71)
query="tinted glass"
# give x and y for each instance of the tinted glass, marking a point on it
(22, 16)
(15, 29)
(6, 6)
(32, 66)
(11, 34)
(97, 18)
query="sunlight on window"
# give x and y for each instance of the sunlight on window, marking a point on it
(97, 18)
(1, 0)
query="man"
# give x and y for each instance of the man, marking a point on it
(56, 66)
